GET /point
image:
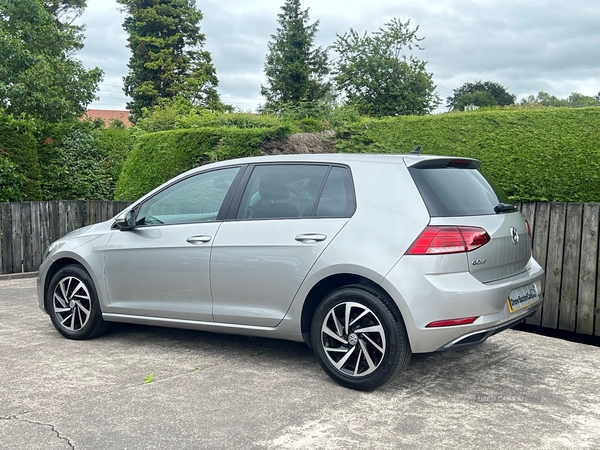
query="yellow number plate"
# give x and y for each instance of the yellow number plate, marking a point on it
(522, 297)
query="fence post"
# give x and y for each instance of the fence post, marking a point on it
(27, 237)
(37, 246)
(17, 255)
(53, 221)
(540, 229)
(44, 226)
(588, 270)
(556, 240)
(80, 213)
(570, 267)
(7, 266)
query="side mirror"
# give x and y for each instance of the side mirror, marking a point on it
(126, 221)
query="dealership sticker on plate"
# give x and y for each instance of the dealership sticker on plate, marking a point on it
(522, 297)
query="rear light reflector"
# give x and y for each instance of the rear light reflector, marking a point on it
(528, 228)
(452, 322)
(443, 240)
(459, 163)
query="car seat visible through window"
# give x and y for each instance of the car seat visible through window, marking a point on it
(274, 195)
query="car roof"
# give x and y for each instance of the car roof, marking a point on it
(340, 158)
(334, 158)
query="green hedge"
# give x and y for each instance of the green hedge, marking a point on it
(19, 147)
(115, 142)
(81, 159)
(11, 182)
(532, 154)
(63, 160)
(182, 115)
(159, 156)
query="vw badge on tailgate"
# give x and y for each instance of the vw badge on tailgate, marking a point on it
(514, 234)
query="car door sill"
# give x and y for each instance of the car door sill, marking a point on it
(179, 323)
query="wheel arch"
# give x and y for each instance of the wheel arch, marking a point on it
(329, 284)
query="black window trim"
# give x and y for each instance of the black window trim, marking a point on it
(350, 193)
(318, 196)
(234, 206)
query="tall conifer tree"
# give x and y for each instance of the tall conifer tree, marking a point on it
(167, 56)
(295, 70)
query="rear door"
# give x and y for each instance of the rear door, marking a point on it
(279, 225)
(456, 193)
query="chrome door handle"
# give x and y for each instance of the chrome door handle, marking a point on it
(197, 240)
(310, 238)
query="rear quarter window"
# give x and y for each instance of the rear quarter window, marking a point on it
(451, 192)
(337, 198)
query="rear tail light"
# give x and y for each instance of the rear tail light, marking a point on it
(442, 240)
(528, 228)
(452, 322)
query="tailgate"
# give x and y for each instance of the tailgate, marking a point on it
(507, 253)
(456, 193)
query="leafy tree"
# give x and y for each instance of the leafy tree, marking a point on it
(544, 99)
(167, 57)
(480, 93)
(574, 100)
(39, 74)
(295, 70)
(477, 98)
(65, 10)
(376, 76)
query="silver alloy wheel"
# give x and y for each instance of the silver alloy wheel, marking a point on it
(353, 339)
(72, 303)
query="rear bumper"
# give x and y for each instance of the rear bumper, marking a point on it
(478, 337)
(423, 299)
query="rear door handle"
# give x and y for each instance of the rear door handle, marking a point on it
(197, 240)
(310, 238)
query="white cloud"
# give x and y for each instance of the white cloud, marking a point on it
(527, 46)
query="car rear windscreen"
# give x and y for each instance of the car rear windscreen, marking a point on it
(451, 191)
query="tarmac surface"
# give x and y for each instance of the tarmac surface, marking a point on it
(518, 390)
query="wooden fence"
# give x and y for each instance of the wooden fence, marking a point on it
(565, 243)
(29, 227)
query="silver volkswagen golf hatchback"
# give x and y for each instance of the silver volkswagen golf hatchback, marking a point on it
(366, 258)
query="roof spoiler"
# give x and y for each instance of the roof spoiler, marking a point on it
(442, 162)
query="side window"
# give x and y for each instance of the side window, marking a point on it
(194, 199)
(337, 199)
(281, 191)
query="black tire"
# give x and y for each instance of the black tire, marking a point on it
(372, 358)
(75, 310)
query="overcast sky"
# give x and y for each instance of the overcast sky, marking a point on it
(526, 45)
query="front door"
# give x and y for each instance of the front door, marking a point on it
(161, 267)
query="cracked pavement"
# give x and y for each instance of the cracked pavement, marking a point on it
(517, 390)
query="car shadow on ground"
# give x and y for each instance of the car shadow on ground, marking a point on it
(454, 371)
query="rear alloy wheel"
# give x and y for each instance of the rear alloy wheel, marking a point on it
(359, 340)
(73, 304)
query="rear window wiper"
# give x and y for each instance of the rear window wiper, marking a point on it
(504, 207)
